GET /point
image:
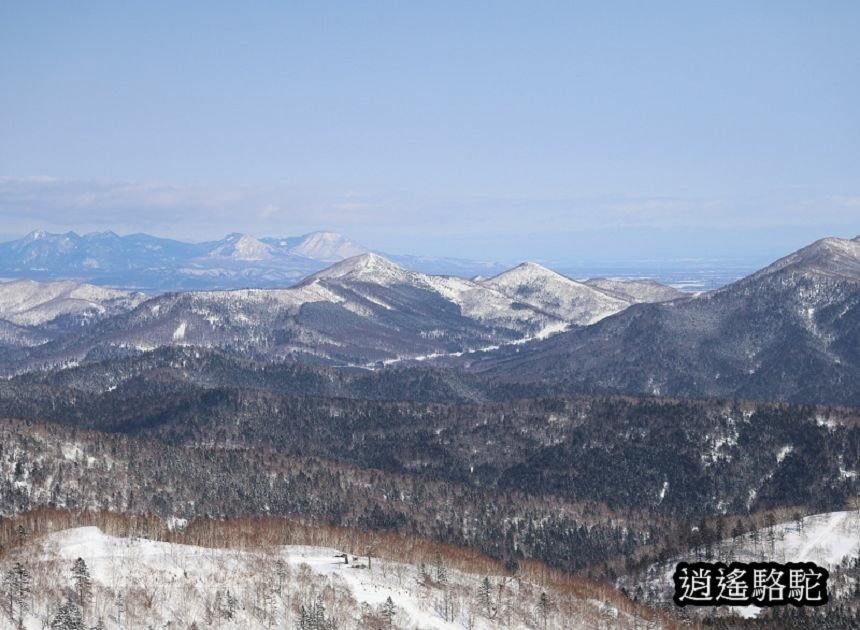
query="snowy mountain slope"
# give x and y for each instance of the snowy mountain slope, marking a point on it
(241, 247)
(474, 300)
(142, 583)
(360, 311)
(15, 336)
(29, 303)
(788, 332)
(637, 291)
(544, 289)
(833, 258)
(327, 247)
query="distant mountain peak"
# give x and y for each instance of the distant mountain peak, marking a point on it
(533, 269)
(364, 267)
(327, 246)
(37, 235)
(241, 247)
(829, 256)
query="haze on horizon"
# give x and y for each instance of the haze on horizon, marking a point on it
(547, 131)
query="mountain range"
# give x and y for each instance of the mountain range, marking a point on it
(790, 331)
(148, 263)
(360, 312)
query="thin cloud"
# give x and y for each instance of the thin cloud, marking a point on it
(201, 212)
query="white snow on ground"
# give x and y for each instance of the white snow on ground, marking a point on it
(547, 331)
(825, 539)
(172, 585)
(179, 333)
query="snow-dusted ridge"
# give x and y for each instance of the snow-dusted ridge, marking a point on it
(30, 303)
(361, 311)
(572, 301)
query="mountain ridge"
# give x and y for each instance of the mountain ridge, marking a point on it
(790, 331)
(149, 263)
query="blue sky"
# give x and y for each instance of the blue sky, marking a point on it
(558, 131)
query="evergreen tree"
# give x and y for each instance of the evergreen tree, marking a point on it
(484, 596)
(17, 583)
(313, 617)
(388, 613)
(282, 573)
(229, 609)
(82, 581)
(120, 609)
(68, 617)
(441, 571)
(543, 607)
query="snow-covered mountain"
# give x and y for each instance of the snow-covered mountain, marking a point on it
(544, 289)
(787, 332)
(241, 247)
(359, 311)
(143, 262)
(326, 246)
(473, 300)
(29, 303)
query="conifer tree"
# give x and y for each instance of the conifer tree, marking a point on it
(68, 617)
(543, 607)
(388, 613)
(484, 595)
(82, 581)
(17, 583)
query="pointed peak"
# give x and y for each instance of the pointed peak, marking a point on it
(531, 265)
(528, 270)
(831, 246)
(368, 267)
(367, 260)
(836, 257)
(241, 247)
(327, 246)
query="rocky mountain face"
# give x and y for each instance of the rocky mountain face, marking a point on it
(788, 332)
